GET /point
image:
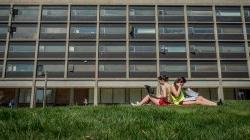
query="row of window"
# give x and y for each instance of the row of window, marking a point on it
(118, 31)
(118, 49)
(118, 13)
(117, 69)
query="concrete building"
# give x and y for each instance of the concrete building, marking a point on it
(105, 51)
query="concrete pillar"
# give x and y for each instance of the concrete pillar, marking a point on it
(71, 96)
(33, 96)
(96, 93)
(220, 93)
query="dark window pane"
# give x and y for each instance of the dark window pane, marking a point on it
(24, 31)
(141, 13)
(83, 13)
(19, 69)
(55, 13)
(83, 31)
(112, 69)
(53, 31)
(82, 49)
(25, 13)
(21, 49)
(81, 69)
(4, 13)
(53, 68)
(113, 13)
(171, 13)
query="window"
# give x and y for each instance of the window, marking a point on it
(141, 11)
(24, 95)
(4, 13)
(142, 47)
(172, 47)
(24, 31)
(83, 29)
(232, 48)
(54, 13)
(50, 96)
(2, 47)
(201, 29)
(237, 29)
(170, 29)
(87, 11)
(3, 28)
(228, 11)
(50, 67)
(119, 96)
(15, 66)
(25, 13)
(234, 67)
(112, 68)
(106, 95)
(170, 11)
(144, 30)
(203, 67)
(202, 47)
(1, 67)
(50, 29)
(52, 47)
(113, 11)
(112, 29)
(199, 13)
(173, 67)
(81, 47)
(3, 31)
(143, 66)
(247, 11)
(112, 47)
(83, 13)
(81, 67)
(22, 47)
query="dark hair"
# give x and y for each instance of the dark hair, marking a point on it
(163, 77)
(180, 79)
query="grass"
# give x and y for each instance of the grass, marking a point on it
(231, 121)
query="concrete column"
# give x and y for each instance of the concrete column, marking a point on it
(33, 96)
(71, 96)
(220, 93)
(220, 88)
(96, 93)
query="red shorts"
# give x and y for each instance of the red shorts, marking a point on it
(163, 102)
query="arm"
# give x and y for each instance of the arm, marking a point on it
(175, 92)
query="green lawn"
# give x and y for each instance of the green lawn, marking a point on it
(231, 121)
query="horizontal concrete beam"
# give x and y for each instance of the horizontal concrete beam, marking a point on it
(66, 84)
(119, 84)
(12, 84)
(124, 2)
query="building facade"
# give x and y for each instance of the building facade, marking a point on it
(105, 51)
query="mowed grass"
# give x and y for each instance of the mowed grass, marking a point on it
(230, 121)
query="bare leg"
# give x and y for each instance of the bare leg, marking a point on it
(200, 101)
(205, 101)
(147, 99)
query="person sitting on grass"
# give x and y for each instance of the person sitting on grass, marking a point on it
(161, 100)
(178, 97)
